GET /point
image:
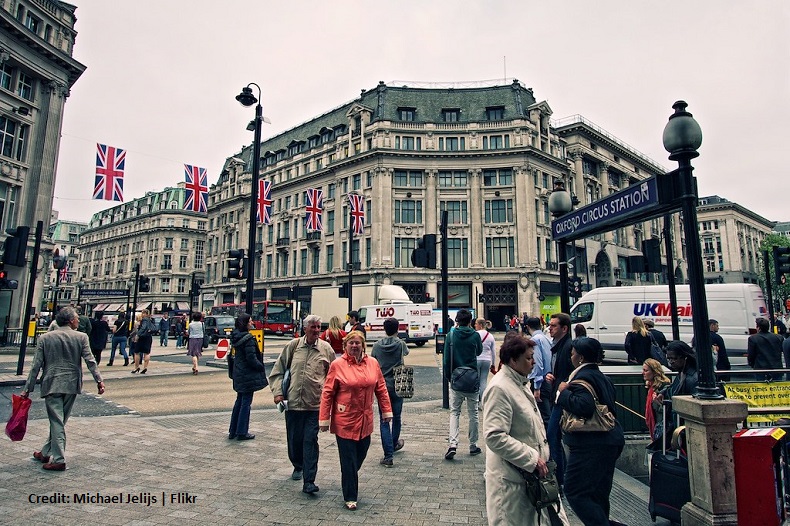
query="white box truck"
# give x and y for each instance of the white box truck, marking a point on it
(415, 321)
(606, 313)
(326, 301)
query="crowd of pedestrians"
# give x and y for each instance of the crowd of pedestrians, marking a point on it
(327, 381)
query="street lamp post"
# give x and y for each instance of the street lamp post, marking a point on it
(560, 203)
(246, 98)
(682, 138)
(80, 284)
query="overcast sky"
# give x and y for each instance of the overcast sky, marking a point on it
(162, 76)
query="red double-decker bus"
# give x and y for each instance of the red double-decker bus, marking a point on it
(273, 316)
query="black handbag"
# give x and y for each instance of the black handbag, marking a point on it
(465, 380)
(543, 492)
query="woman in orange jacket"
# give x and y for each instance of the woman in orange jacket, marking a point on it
(347, 409)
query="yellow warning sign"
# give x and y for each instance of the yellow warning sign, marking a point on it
(761, 394)
(258, 333)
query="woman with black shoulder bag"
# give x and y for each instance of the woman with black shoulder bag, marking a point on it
(591, 433)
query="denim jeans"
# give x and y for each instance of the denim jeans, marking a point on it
(483, 369)
(301, 428)
(554, 435)
(179, 340)
(456, 399)
(163, 338)
(118, 341)
(240, 417)
(390, 431)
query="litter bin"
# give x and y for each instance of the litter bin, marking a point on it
(756, 453)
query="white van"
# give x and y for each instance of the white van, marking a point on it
(606, 313)
(415, 321)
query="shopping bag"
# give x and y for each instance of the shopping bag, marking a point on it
(17, 424)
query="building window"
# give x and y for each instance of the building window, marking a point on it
(182, 285)
(458, 253)
(403, 249)
(408, 211)
(499, 211)
(589, 168)
(13, 139)
(330, 191)
(199, 252)
(201, 225)
(456, 212)
(184, 244)
(451, 115)
(315, 269)
(408, 143)
(500, 252)
(452, 144)
(168, 243)
(330, 222)
(6, 73)
(407, 114)
(32, 23)
(303, 261)
(496, 142)
(24, 87)
(495, 113)
(165, 284)
(356, 182)
(268, 265)
(413, 178)
(501, 177)
(457, 178)
(330, 258)
(182, 262)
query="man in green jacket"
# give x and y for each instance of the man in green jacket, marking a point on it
(465, 347)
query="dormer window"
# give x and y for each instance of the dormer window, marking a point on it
(451, 115)
(407, 114)
(495, 113)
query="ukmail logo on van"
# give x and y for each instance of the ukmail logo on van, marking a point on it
(661, 311)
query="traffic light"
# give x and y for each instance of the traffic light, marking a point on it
(58, 261)
(195, 290)
(481, 298)
(15, 246)
(575, 287)
(343, 290)
(425, 253)
(781, 262)
(6, 283)
(144, 284)
(236, 264)
(651, 248)
(429, 243)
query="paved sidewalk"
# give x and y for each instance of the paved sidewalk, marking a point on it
(159, 460)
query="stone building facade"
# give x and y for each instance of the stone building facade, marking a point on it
(37, 71)
(63, 287)
(153, 232)
(489, 155)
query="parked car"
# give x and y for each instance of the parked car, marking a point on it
(218, 327)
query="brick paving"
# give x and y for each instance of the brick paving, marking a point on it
(239, 483)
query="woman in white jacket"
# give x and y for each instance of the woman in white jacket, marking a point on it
(514, 434)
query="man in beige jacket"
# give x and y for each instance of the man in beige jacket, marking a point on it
(58, 354)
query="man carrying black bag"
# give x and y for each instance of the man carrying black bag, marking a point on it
(460, 368)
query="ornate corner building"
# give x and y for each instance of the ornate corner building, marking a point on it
(487, 154)
(62, 287)
(36, 73)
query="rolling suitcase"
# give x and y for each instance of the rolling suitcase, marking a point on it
(670, 488)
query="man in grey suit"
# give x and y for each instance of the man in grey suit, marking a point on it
(58, 353)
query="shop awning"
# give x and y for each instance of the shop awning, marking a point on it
(143, 305)
(182, 305)
(114, 307)
(101, 307)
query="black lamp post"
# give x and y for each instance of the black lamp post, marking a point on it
(560, 203)
(80, 284)
(248, 99)
(682, 138)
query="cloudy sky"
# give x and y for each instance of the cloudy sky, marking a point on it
(163, 75)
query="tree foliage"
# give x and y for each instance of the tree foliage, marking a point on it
(780, 292)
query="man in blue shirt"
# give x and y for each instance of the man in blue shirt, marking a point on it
(542, 356)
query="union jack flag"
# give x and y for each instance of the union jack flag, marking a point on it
(357, 203)
(314, 208)
(196, 189)
(110, 163)
(264, 208)
(64, 272)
